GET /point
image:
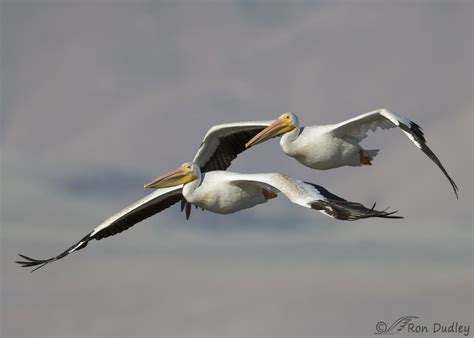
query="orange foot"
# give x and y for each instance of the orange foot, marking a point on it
(364, 160)
(268, 194)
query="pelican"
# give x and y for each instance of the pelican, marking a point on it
(221, 192)
(336, 145)
(221, 144)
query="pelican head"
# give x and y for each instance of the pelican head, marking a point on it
(284, 124)
(185, 173)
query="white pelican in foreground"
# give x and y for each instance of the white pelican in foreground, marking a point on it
(337, 145)
(221, 192)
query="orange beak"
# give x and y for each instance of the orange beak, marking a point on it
(275, 129)
(171, 179)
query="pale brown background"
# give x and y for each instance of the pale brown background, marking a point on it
(99, 97)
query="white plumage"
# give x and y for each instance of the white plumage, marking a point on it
(221, 192)
(336, 145)
(203, 182)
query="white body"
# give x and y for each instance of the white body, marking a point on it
(216, 193)
(225, 192)
(337, 145)
(221, 192)
(316, 147)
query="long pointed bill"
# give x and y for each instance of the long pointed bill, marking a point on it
(276, 128)
(171, 179)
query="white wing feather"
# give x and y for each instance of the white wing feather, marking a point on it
(358, 127)
(312, 196)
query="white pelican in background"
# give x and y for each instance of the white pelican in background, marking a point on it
(221, 192)
(336, 145)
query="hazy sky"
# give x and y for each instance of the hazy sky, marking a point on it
(99, 97)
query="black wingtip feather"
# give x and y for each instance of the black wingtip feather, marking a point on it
(351, 211)
(30, 262)
(416, 131)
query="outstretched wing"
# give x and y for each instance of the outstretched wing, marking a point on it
(124, 219)
(357, 128)
(312, 196)
(224, 142)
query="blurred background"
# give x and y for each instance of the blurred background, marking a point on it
(98, 98)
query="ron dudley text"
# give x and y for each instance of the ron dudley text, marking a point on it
(454, 327)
